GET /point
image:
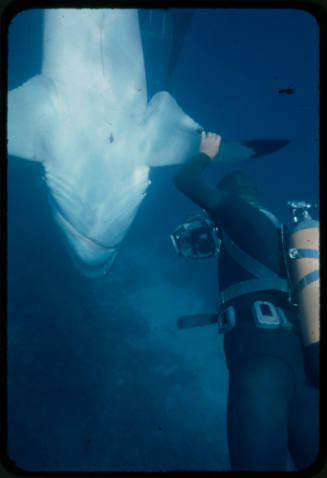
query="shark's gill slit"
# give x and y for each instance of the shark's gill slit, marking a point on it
(63, 191)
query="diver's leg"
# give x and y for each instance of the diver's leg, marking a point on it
(259, 393)
(304, 426)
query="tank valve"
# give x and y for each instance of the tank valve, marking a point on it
(293, 253)
(300, 210)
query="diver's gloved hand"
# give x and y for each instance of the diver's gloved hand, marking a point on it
(210, 144)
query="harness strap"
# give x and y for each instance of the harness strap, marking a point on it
(250, 286)
(306, 253)
(196, 320)
(266, 279)
(272, 217)
(308, 279)
(249, 263)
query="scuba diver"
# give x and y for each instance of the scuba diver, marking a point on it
(272, 406)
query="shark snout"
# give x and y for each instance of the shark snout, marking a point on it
(95, 269)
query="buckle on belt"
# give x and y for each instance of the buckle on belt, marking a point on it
(226, 320)
(267, 316)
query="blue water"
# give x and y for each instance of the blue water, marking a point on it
(99, 377)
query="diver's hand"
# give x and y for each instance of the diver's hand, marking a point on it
(210, 144)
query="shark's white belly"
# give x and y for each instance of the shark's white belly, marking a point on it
(86, 118)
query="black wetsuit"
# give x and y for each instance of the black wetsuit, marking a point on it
(271, 408)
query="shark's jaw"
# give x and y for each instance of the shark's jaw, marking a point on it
(91, 258)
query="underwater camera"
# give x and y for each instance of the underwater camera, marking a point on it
(196, 238)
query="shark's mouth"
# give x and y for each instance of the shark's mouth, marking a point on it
(102, 256)
(81, 237)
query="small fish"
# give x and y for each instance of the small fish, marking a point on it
(288, 91)
(111, 138)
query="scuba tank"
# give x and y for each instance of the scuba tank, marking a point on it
(303, 253)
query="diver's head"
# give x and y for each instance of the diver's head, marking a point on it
(240, 184)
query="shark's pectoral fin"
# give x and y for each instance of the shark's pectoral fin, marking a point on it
(30, 108)
(169, 136)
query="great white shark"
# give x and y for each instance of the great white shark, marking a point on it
(86, 117)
